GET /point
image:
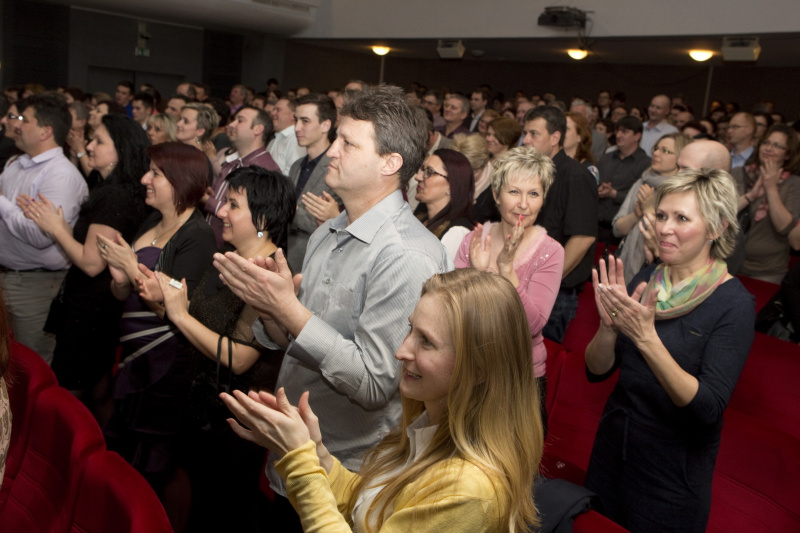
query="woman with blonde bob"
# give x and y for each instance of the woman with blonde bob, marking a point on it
(517, 248)
(680, 341)
(470, 437)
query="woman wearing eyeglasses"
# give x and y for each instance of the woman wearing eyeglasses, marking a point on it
(640, 201)
(772, 202)
(446, 190)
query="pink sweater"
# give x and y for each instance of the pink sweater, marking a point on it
(539, 270)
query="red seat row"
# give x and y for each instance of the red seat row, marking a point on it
(757, 476)
(59, 476)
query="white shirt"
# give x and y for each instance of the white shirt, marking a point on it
(285, 150)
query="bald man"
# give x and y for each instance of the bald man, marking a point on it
(712, 154)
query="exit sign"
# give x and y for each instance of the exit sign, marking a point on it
(142, 52)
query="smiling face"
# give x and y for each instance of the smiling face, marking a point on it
(773, 148)
(282, 115)
(187, 127)
(665, 160)
(242, 131)
(434, 189)
(156, 132)
(494, 145)
(237, 220)
(428, 357)
(682, 233)
(101, 152)
(453, 111)
(159, 192)
(521, 195)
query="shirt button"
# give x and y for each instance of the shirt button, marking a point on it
(327, 281)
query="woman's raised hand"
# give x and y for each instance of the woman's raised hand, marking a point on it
(617, 309)
(176, 300)
(276, 425)
(505, 260)
(480, 247)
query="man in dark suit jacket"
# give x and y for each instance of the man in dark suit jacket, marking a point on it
(315, 115)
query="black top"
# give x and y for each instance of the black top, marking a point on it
(571, 209)
(485, 209)
(621, 173)
(111, 205)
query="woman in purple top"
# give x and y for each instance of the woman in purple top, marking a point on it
(154, 379)
(516, 248)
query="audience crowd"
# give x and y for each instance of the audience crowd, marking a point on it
(264, 254)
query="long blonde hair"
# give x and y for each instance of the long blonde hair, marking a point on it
(492, 418)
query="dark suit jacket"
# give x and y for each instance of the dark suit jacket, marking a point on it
(304, 224)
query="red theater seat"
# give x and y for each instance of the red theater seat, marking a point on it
(762, 290)
(573, 420)
(62, 437)
(27, 376)
(583, 327)
(113, 496)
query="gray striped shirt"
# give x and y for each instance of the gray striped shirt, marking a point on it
(361, 281)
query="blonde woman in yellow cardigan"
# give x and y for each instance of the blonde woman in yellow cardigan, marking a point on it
(469, 441)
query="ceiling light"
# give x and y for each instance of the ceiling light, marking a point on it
(701, 55)
(577, 53)
(381, 50)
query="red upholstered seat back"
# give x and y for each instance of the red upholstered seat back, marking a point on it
(27, 376)
(63, 435)
(113, 496)
(583, 327)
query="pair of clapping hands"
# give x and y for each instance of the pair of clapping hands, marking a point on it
(618, 310)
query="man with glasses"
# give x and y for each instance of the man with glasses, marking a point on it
(619, 170)
(432, 101)
(741, 132)
(32, 266)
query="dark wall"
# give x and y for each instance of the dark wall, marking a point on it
(35, 43)
(101, 52)
(323, 69)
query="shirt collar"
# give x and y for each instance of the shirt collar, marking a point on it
(420, 434)
(285, 132)
(27, 161)
(314, 162)
(367, 225)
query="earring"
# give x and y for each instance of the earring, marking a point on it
(260, 234)
(711, 241)
(197, 140)
(448, 193)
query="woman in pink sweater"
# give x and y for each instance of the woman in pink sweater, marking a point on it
(516, 248)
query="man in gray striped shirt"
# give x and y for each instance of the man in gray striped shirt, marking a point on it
(362, 276)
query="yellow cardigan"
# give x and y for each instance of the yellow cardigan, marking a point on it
(456, 496)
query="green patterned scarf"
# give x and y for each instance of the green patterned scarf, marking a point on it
(674, 301)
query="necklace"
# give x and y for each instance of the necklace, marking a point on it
(178, 223)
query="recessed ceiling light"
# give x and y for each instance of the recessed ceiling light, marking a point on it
(577, 53)
(701, 55)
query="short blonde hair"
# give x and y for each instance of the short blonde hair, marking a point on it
(207, 119)
(166, 122)
(523, 162)
(717, 201)
(474, 147)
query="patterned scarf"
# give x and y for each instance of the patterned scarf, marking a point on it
(674, 301)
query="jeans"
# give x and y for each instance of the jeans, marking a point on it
(562, 314)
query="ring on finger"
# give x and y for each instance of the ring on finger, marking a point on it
(614, 313)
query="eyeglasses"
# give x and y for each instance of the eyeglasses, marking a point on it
(12, 116)
(427, 172)
(663, 150)
(769, 144)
